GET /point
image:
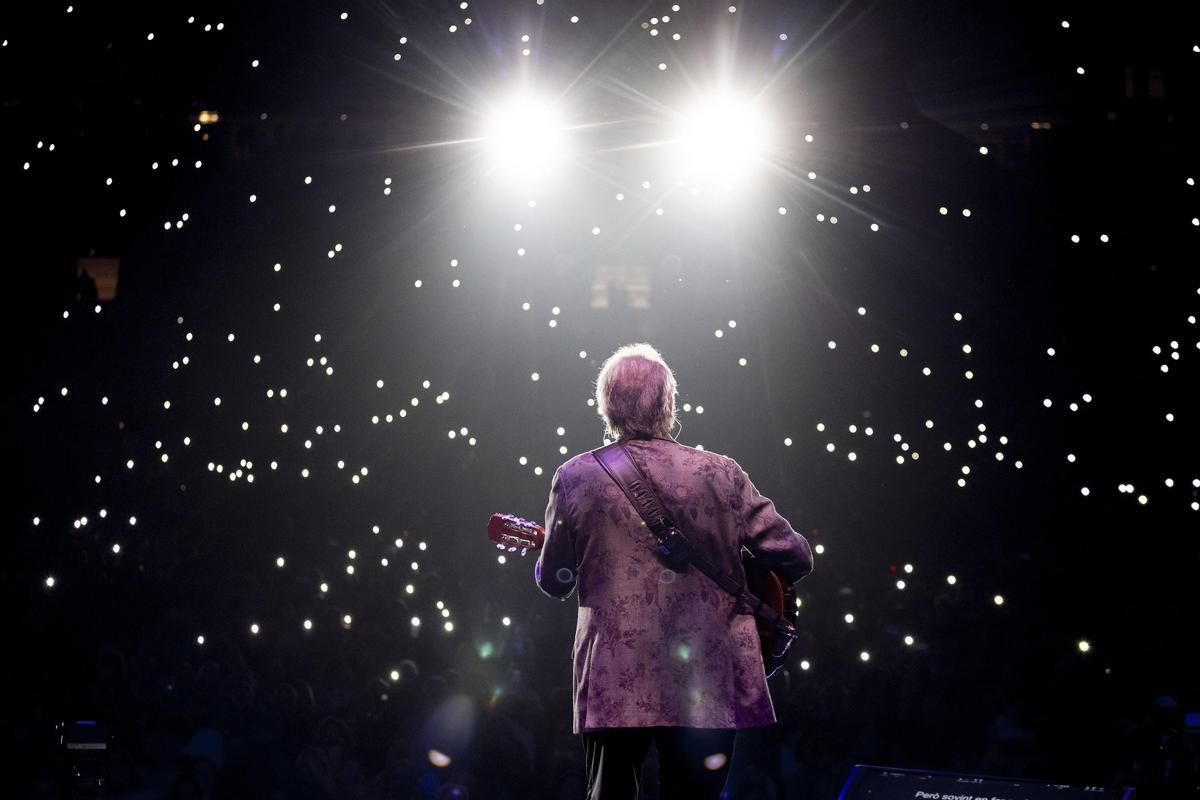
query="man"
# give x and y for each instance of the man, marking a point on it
(660, 656)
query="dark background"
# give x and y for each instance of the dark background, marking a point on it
(899, 96)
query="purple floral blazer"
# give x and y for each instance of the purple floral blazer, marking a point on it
(653, 646)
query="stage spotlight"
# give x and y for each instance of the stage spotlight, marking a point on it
(721, 138)
(524, 137)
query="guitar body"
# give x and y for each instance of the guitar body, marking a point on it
(780, 596)
(513, 534)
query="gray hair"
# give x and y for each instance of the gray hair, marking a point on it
(635, 393)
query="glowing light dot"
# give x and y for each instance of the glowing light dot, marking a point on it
(1084, 646)
(864, 656)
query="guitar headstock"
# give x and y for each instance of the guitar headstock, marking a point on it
(511, 533)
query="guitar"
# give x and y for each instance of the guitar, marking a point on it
(513, 534)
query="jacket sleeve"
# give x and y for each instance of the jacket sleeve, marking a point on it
(555, 568)
(765, 533)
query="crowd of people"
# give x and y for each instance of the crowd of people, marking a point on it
(323, 716)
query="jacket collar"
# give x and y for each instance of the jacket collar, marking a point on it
(648, 438)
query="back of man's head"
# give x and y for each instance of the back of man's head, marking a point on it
(635, 393)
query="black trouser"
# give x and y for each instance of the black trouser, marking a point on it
(693, 763)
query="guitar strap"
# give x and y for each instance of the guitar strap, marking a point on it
(672, 543)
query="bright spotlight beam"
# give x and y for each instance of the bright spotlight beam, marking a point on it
(525, 138)
(721, 139)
